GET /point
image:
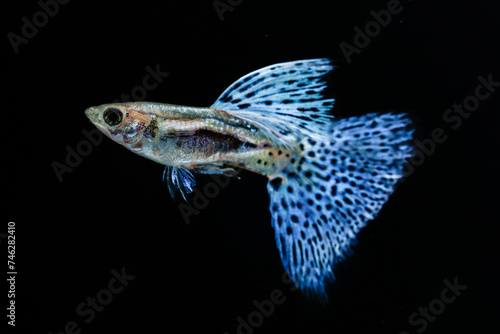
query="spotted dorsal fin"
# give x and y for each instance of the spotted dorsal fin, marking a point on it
(282, 97)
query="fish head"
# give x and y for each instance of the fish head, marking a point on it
(124, 123)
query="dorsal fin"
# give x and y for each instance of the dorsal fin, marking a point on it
(282, 97)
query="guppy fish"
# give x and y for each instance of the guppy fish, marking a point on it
(327, 177)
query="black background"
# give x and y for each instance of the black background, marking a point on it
(112, 212)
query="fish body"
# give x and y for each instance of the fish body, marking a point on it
(194, 138)
(327, 177)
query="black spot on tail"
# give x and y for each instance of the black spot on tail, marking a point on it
(244, 105)
(276, 183)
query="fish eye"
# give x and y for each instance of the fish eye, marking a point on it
(112, 116)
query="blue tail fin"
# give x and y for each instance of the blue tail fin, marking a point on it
(332, 189)
(342, 173)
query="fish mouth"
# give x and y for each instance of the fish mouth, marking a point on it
(92, 114)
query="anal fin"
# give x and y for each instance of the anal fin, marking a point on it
(216, 168)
